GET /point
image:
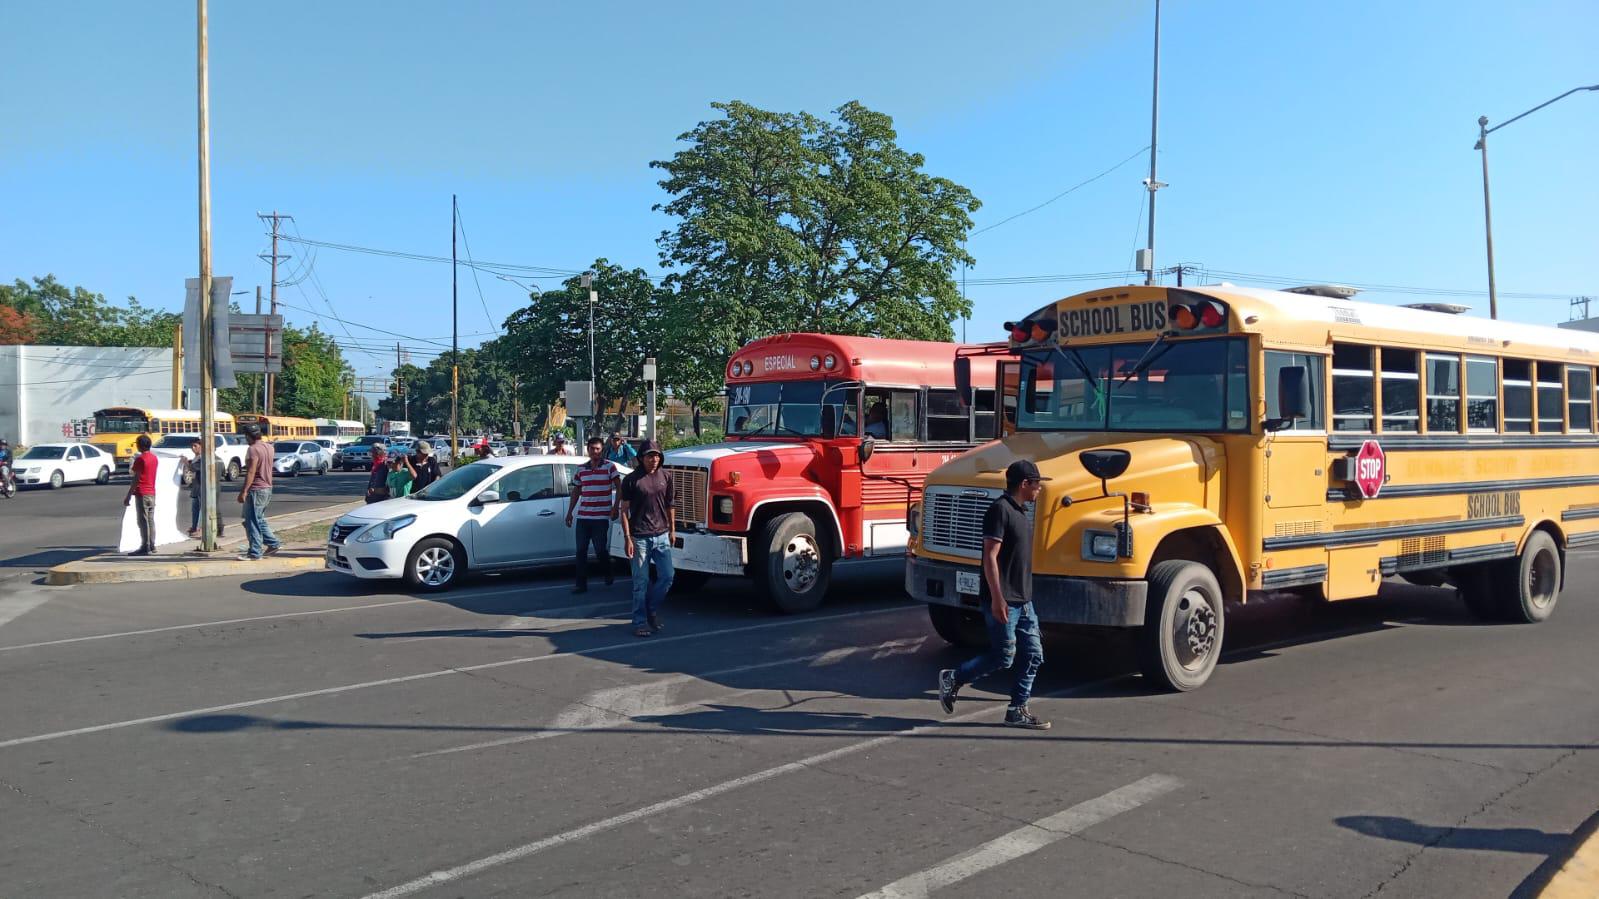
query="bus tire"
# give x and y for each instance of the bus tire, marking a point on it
(1184, 623)
(958, 627)
(1534, 581)
(792, 569)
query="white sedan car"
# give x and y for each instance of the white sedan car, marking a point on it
(60, 464)
(296, 457)
(488, 515)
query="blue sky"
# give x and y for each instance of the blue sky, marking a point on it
(1316, 141)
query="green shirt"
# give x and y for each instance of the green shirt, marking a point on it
(400, 483)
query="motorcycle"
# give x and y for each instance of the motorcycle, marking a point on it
(8, 482)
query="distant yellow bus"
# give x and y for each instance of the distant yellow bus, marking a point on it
(117, 428)
(1213, 444)
(278, 425)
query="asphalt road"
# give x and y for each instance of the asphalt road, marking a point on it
(312, 735)
(40, 527)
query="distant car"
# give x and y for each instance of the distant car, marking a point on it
(296, 457)
(60, 464)
(358, 455)
(498, 448)
(488, 515)
(230, 452)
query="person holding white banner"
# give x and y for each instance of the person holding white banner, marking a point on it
(141, 489)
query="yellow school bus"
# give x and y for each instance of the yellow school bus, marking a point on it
(116, 429)
(1214, 444)
(275, 425)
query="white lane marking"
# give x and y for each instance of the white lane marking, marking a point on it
(200, 624)
(428, 675)
(184, 627)
(20, 603)
(615, 705)
(520, 852)
(1028, 839)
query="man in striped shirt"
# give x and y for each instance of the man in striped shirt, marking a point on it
(594, 506)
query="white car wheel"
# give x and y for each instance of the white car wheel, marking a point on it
(58, 479)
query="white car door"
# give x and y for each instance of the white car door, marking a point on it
(527, 525)
(72, 465)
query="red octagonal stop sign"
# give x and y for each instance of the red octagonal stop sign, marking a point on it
(1371, 469)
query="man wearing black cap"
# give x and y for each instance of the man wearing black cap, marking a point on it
(649, 529)
(1008, 579)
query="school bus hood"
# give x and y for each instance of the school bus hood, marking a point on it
(1178, 462)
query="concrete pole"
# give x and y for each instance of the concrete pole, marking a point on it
(208, 400)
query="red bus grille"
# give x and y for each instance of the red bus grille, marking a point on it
(690, 493)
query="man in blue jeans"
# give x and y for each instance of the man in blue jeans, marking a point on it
(1012, 623)
(254, 496)
(649, 528)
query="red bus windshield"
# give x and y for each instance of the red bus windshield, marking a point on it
(792, 408)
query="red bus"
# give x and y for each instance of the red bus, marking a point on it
(828, 441)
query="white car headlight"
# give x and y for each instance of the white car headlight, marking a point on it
(385, 530)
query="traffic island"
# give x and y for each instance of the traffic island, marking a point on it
(304, 537)
(1577, 874)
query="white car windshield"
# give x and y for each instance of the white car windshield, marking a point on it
(285, 448)
(457, 483)
(46, 452)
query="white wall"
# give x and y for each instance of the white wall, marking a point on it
(43, 388)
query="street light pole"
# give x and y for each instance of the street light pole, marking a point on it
(208, 399)
(1487, 207)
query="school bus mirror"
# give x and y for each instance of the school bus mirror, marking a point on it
(1293, 392)
(1105, 464)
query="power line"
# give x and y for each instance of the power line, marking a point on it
(1063, 193)
(424, 257)
(141, 371)
(461, 223)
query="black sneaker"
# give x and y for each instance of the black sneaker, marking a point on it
(273, 550)
(1021, 717)
(947, 688)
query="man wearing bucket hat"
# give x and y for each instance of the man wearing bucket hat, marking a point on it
(1008, 580)
(424, 466)
(649, 529)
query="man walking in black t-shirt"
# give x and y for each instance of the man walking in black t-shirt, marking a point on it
(649, 529)
(1008, 578)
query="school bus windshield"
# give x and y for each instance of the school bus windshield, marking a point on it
(120, 425)
(1191, 385)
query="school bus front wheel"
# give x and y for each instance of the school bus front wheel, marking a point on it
(1184, 622)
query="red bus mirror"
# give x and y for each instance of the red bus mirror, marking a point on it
(867, 445)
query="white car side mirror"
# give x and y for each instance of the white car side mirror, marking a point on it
(486, 497)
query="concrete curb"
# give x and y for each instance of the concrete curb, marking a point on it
(115, 568)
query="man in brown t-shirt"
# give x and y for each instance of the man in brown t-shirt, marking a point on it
(255, 495)
(649, 529)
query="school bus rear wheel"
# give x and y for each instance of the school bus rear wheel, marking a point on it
(1534, 581)
(1184, 623)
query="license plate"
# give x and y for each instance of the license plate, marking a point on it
(334, 557)
(969, 583)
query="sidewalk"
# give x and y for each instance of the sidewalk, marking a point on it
(1578, 877)
(304, 536)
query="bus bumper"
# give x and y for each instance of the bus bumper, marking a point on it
(1058, 600)
(711, 553)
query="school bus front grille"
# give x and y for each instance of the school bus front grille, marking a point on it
(690, 489)
(952, 519)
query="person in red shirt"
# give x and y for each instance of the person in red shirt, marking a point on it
(142, 489)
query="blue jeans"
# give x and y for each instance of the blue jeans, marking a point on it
(647, 596)
(256, 529)
(1021, 626)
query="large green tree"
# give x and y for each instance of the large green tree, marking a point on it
(314, 377)
(790, 222)
(48, 312)
(546, 343)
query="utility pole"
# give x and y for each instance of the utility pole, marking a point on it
(208, 399)
(455, 346)
(516, 406)
(263, 375)
(273, 257)
(1154, 140)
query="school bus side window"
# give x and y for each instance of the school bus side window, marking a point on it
(1276, 361)
(1401, 391)
(1482, 394)
(1352, 388)
(1551, 398)
(1518, 396)
(1443, 393)
(1579, 398)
